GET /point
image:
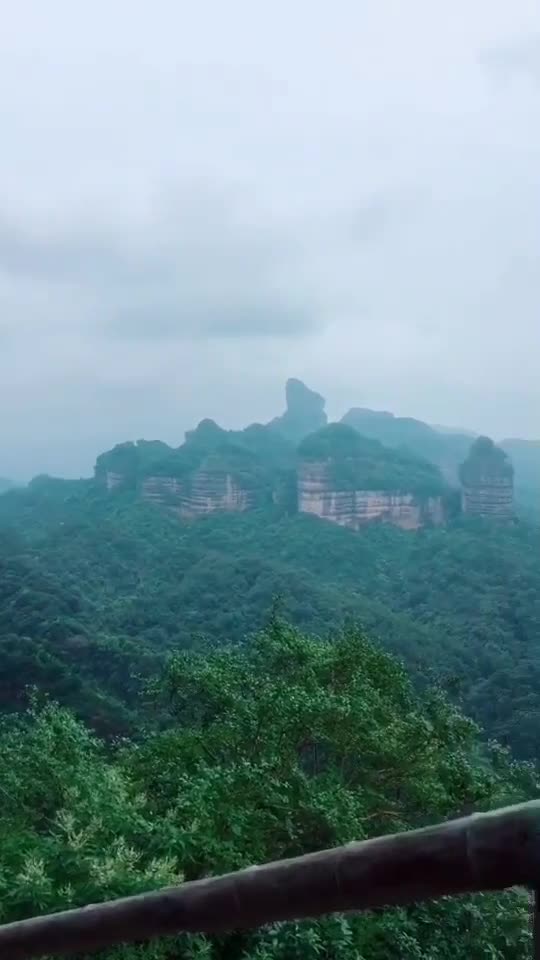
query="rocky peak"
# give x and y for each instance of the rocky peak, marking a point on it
(487, 477)
(300, 399)
(304, 414)
(354, 480)
(207, 432)
(486, 461)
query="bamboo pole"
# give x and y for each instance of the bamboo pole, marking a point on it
(483, 852)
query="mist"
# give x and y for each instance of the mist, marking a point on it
(198, 203)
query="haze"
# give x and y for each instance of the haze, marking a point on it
(198, 201)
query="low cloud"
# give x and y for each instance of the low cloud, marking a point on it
(195, 277)
(519, 57)
(199, 205)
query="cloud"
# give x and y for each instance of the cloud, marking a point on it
(519, 57)
(194, 272)
(205, 263)
(196, 204)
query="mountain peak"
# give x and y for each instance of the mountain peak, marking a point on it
(304, 414)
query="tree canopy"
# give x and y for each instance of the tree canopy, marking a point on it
(284, 746)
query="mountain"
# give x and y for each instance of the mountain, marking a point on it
(333, 472)
(487, 478)
(238, 679)
(447, 451)
(96, 589)
(304, 413)
(6, 484)
(461, 431)
(167, 544)
(354, 480)
(217, 469)
(449, 448)
(213, 470)
(525, 456)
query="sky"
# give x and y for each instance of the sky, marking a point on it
(198, 201)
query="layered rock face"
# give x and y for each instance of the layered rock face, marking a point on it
(204, 492)
(165, 491)
(316, 496)
(113, 479)
(215, 491)
(491, 497)
(212, 471)
(355, 508)
(332, 472)
(487, 478)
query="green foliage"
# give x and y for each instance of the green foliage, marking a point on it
(50, 637)
(225, 744)
(257, 458)
(284, 746)
(360, 463)
(447, 450)
(485, 461)
(73, 829)
(96, 590)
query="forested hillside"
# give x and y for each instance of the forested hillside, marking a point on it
(282, 747)
(448, 449)
(96, 588)
(197, 674)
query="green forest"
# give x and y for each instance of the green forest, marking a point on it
(183, 698)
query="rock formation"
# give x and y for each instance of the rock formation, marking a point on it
(205, 491)
(304, 414)
(117, 468)
(353, 481)
(445, 449)
(487, 478)
(355, 508)
(214, 470)
(334, 472)
(164, 491)
(211, 491)
(114, 480)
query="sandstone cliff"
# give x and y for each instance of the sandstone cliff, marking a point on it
(205, 491)
(353, 481)
(162, 490)
(487, 478)
(356, 507)
(114, 479)
(213, 470)
(334, 472)
(211, 491)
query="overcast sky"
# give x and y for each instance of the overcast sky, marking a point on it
(198, 200)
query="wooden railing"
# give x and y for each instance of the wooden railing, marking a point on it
(483, 852)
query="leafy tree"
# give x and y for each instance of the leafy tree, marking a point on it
(285, 746)
(361, 463)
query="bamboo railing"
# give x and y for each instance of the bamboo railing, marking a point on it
(483, 852)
